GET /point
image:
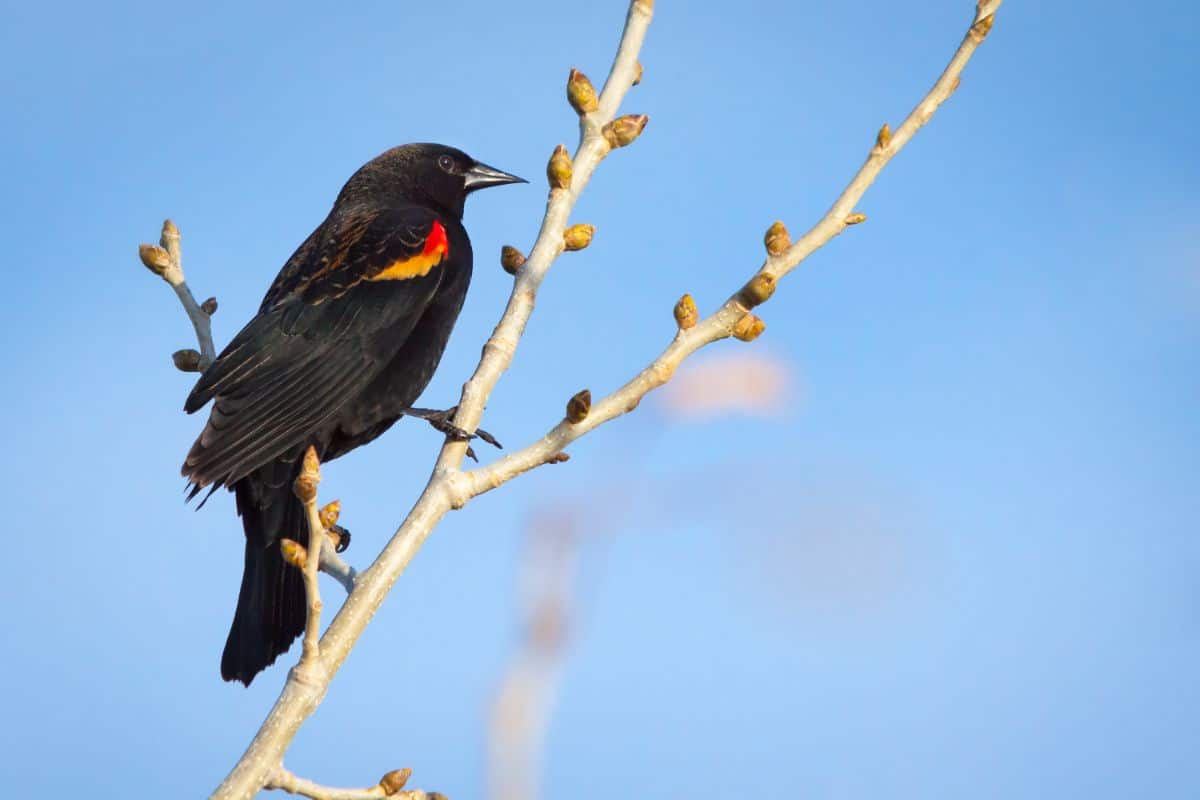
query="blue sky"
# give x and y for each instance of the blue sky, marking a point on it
(961, 563)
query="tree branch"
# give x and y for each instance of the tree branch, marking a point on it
(333, 566)
(733, 318)
(166, 261)
(596, 141)
(306, 489)
(390, 785)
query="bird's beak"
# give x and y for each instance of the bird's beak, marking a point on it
(482, 176)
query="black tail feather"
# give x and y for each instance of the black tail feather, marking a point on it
(271, 607)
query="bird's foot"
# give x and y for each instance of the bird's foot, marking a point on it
(442, 421)
(342, 537)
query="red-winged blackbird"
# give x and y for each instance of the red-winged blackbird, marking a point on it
(345, 341)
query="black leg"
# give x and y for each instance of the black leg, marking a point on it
(442, 422)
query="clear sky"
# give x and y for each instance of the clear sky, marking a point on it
(960, 563)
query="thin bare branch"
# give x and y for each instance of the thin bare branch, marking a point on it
(782, 257)
(333, 566)
(166, 261)
(390, 785)
(593, 147)
(339, 539)
(330, 562)
(306, 490)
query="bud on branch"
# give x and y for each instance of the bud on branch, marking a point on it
(758, 290)
(293, 553)
(748, 328)
(560, 169)
(686, 313)
(624, 130)
(394, 781)
(981, 29)
(578, 236)
(156, 259)
(581, 94)
(329, 514)
(305, 486)
(777, 239)
(188, 360)
(579, 406)
(511, 259)
(884, 137)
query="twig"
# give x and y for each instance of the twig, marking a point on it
(306, 489)
(595, 143)
(325, 520)
(733, 318)
(166, 261)
(333, 566)
(390, 785)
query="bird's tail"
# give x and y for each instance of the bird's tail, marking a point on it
(271, 607)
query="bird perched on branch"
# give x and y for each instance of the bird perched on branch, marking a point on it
(346, 339)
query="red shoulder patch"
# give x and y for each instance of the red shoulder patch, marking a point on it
(437, 247)
(437, 240)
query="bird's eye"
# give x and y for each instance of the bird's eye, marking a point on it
(446, 163)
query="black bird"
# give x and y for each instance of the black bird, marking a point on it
(346, 339)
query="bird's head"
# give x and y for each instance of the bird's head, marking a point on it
(432, 174)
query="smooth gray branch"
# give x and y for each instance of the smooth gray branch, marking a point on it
(166, 261)
(333, 566)
(692, 335)
(390, 785)
(306, 489)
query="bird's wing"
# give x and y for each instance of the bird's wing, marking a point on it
(330, 322)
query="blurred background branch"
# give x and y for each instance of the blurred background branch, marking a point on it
(525, 699)
(559, 542)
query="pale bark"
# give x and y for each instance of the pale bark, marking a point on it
(285, 780)
(166, 261)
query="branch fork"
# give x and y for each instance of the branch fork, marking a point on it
(166, 261)
(734, 318)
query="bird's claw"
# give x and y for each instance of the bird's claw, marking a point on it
(442, 421)
(343, 538)
(487, 437)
